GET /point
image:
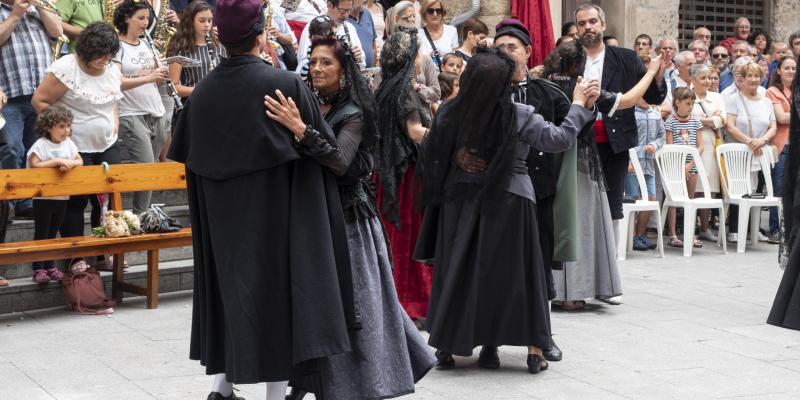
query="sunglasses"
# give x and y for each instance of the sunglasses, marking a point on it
(432, 11)
(720, 56)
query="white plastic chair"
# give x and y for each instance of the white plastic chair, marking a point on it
(628, 223)
(738, 159)
(671, 161)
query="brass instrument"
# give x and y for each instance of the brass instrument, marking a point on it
(170, 86)
(268, 24)
(58, 45)
(164, 31)
(108, 12)
(213, 59)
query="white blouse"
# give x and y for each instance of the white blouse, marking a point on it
(445, 44)
(91, 100)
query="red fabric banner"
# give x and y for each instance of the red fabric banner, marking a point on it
(535, 14)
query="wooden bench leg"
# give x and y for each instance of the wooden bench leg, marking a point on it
(152, 279)
(118, 278)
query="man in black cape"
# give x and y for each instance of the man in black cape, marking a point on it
(272, 284)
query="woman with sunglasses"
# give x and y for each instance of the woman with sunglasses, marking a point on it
(437, 39)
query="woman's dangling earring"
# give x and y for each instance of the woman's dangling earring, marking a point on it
(342, 82)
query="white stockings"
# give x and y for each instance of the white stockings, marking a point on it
(222, 386)
(277, 390)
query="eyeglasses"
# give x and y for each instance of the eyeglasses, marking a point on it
(720, 55)
(344, 10)
(432, 11)
(643, 44)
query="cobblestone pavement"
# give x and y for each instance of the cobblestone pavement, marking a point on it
(689, 328)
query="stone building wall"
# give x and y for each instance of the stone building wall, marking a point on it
(785, 18)
(491, 11)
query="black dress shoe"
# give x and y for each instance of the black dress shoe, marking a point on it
(488, 358)
(536, 363)
(296, 394)
(444, 360)
(217, 396)
(553, 353)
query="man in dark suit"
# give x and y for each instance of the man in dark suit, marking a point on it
(618, 70)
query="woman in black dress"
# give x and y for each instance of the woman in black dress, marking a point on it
(389, 354)
(786, 308)
(489, 285)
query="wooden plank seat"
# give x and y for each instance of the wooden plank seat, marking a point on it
(117, 179)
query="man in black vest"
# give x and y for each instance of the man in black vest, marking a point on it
(618, 70)
(551, 103)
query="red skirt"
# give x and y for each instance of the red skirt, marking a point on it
(411, 278)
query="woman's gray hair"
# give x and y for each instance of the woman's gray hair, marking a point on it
(699, 69)
(399, 8)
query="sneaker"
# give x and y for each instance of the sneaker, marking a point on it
(775, 238)
(639, 243)
(40, 276)
(650, 244)
(733, 237)
(708, 235)
(55, 274)
(762, 238)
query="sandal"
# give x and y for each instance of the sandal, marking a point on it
(675, 242)
(698, 244)
(107, 264)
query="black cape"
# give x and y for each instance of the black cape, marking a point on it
(272, 283)
(785, 310)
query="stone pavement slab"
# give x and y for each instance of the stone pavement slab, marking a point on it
(689, 328)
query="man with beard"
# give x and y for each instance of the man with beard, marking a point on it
(553, 105)
(618, 70)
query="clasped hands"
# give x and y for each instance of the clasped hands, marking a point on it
(586, 92)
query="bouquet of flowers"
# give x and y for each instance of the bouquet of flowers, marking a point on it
(118, 224)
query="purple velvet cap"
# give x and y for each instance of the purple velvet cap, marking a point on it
(237, 20)
(513, 27)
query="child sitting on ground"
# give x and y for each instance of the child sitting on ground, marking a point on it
(53, 149)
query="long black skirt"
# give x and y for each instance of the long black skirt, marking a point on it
(785, 310)
(489, 283)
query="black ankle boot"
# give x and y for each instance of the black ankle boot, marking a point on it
(489, 358)
(296, 394)
(444, 360)
(536, 363)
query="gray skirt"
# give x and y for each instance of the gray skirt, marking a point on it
(389, 355)
(595, 274)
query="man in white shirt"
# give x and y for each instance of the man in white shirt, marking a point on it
(700, 51)
(337, 10)
(306, 10)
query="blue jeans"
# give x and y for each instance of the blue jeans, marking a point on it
(777, 188)
(19, 137)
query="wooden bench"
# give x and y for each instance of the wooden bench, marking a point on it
(118, 179)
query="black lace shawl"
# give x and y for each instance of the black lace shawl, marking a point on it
(791, 186)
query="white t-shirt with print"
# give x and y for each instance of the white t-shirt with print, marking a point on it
(47, 150)
(144, 99)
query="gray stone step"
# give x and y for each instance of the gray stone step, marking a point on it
(23, 294)
(22, 230)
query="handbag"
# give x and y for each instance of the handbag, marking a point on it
(84, 291)
(155, 220)
(437, 59)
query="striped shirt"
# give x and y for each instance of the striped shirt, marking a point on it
(684, 132)
(190, 76)
(24, 57)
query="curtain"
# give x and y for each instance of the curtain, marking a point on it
(535, 14)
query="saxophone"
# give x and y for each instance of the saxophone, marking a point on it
(164, 31)
(268, 24)
(108, 12)
(58, 45)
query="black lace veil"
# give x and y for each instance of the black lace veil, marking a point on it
(480, 121)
